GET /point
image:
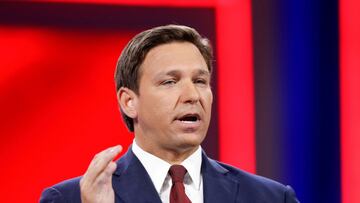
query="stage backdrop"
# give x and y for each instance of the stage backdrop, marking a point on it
(286, 86)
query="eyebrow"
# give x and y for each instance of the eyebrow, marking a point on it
(171, 73)
(176, 73)
(203, 72)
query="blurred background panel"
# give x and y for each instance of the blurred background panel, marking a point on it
(286, 83)
(297, 95)
(58, 104)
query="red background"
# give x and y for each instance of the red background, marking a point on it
(58, 105)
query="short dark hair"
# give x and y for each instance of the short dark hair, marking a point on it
(127, 72)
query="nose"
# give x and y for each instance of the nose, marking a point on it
(190, 93)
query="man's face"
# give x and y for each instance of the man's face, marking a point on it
(174, 100)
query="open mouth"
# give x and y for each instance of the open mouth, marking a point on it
(189, 118)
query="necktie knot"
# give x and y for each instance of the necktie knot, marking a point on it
(177, 193)
(177, 173)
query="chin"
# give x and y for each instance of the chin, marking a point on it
(191, 140)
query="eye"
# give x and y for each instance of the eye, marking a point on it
(168, 82)
(201, 81)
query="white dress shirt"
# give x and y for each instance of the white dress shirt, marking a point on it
(158, 172)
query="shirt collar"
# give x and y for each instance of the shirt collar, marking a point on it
(155, 167)
(158, 168)
(193, 167)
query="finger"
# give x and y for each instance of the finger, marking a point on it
(105, 176)
(106, 155)
(100, 162)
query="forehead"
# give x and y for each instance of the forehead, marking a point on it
(181, 56)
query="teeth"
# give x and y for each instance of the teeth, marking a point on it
(188, 121)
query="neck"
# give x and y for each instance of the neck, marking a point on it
(171, 155)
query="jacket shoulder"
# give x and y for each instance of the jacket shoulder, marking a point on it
(247, 177)
(259, 187)
(67, 191)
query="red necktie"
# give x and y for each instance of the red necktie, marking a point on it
(177, 193)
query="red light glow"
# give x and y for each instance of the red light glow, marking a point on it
(350, 99)
(235, 84)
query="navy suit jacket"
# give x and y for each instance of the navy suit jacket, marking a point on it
(221, 183)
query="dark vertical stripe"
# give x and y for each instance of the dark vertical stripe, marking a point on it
(267, 95)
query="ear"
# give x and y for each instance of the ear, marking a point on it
(127, 100)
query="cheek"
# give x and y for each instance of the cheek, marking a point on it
(208, 98)
(157, 105)
(211, 97)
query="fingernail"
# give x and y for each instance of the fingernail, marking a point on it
(116, 148)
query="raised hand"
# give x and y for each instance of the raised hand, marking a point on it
(96, 184)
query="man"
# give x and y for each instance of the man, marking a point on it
(163, 88)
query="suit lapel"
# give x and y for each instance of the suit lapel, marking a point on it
(131, 182)
(217, 186)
